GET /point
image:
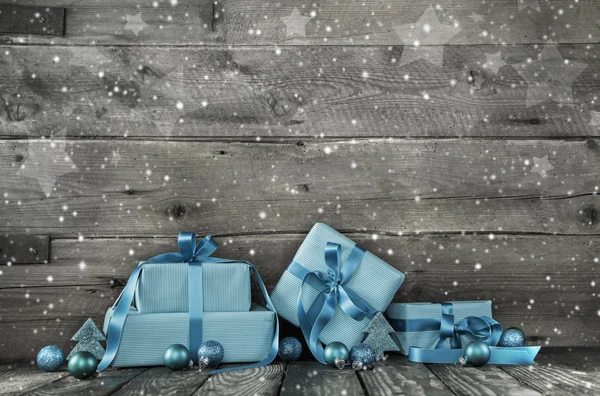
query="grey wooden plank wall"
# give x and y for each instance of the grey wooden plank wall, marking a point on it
(470, 162)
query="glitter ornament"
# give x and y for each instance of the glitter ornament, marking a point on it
(83, 365)
(290, 349)
(336, 354)
(88, 337)
(210, 354)
(176, 357)
(379, 336)
(364, 354)
(50, 358)
(477, 353)
(512, 337)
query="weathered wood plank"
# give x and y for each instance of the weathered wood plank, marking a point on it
(16, 19)
(106, 383)
(376, 22)
(579, 358)
(24, 249)
(100, 188)
(164, 381)
(123, 22)
(19, 379)
(480, 381)
(552, 378)
(301, 92)
(397, 376)
(264, 380)
(538, 283)
(314, 378)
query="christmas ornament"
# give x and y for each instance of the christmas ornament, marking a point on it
(336, 355)
(50, 358)
(88, 337)
(512, 337)
(379, 336)
(177, 357)
(210, 354)
(290, 349)
(362, 356)
(83, 365)
(477, 353)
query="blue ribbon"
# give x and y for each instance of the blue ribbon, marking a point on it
(195, 256)
(333, 291)
(482, 328)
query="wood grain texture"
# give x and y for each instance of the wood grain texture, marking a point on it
(164, 381)
(551, 378)
(265, 380)
(24, 249)
(479, 381)
(380, 186)
(295, 92)
(32, 20)
(314, 378)
(22, 378)
(105, 383)
(359, 23)
(105, 22)
(577, 358)
(397, 376)
(538, 283)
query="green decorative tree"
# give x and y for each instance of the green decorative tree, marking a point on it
(88, 339)
(379, 336)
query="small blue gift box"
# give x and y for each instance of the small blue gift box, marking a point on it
(419, 324)
(163, 287)
(333, 288)
(245, 336)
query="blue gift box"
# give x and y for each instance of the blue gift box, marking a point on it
(373, 284)
(402, 316)
(245, 336)
(163, 287)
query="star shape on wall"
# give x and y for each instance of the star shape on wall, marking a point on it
(595, 120)
(549, 77)
(116, 157)
(528, 3)
(135, 23)
(424, 39)
(494, 62)
(47, 161)
(88, 57)
(476, 17)
(295, 24)
(541, 166)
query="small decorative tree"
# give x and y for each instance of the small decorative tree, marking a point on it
(379, 336)
(88, 339)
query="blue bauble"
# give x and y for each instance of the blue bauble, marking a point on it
(82, 365)
(362, 353)
(334, 352)
(290, 349)
(477, 353)
(176, 357)
(50, 358)
(210, 353)
(512, 337)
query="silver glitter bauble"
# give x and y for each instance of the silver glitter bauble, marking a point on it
(513, 337)
(50, 358)
(211, 353)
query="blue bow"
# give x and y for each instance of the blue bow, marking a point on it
(333, 292)
(195, 255)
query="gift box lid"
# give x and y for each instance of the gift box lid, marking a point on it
(163, 287)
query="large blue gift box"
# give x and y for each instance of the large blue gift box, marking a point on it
(245, 336)
(418, 324)
(330, 270)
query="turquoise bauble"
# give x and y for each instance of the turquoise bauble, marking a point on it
(176, 357)
(477, 353)
(512, 337)
(50, 358)
(334, 352)
(82, 365)
(290, 349)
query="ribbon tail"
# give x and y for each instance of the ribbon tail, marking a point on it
(500, 355)
(444, 356)
(522, 355)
